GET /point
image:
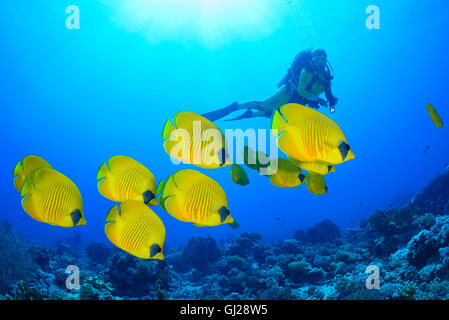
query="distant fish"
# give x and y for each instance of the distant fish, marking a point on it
(53, 198)
(25, 169)
(285, 174)
(238, 175)
(434, 115)
(134, 227)
(316, 183)
(255, 160)
(122, 178)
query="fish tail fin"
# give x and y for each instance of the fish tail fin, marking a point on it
(27, 201)
(103, 183)
(18, 176)
(103, 171)
(113, 214)
(278, 122)
(160, 187)
(26, 188)
(18, 169)
(167, 130)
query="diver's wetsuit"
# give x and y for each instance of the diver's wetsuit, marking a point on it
(311, 82)
(260, 107)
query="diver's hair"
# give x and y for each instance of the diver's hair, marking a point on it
(319, 53)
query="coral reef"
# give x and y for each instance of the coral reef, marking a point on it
(409, 246)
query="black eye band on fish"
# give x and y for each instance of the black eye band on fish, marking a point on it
(76, 216)
(344, 148)
(154, 250)
(148, 196)
(224, 213)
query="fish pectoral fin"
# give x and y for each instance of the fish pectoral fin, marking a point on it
(155, 249)
(199, 225)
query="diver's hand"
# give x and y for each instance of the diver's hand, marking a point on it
(322, 102)
(333, 101)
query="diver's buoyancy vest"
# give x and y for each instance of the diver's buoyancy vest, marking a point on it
(303, 60)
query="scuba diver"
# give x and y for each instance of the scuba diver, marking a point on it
(308, 77)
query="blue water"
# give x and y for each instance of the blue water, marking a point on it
(78, 97)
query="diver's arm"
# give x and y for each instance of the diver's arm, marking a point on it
(329, 96)
(304, 81)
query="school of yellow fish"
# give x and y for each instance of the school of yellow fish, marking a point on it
(312, 142)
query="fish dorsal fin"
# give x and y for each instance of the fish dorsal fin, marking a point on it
(132, 208)
(292, 112)
(35, 162)
(47, 176)
(167, 130)
(120, 163)
(187, 119)
(113, 214)
(185, 178)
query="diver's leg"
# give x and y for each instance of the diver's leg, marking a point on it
(223, 112)
(275, 102)
(220, 113)
(252, 105)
